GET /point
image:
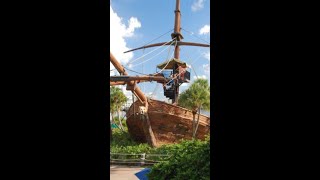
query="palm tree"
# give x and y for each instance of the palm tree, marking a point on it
(195, 98)
(117, 100)
(112, 111)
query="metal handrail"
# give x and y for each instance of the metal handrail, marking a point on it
(141, 161)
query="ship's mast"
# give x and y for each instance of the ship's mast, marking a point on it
(177, 29)
(178, 36)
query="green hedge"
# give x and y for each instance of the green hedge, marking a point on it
(190, 160)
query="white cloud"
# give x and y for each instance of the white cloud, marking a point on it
(112, 73)
(119, 31)
(207, 55)
(206, 68)
(128, 94)
(197, 5)
(151, 95)
(200, 77)
(133, 24)
(205, 30)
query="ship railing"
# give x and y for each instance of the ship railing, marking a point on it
(137, 159)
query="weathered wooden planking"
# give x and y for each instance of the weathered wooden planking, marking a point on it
(169, 123)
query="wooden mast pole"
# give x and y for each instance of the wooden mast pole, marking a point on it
(176, 34)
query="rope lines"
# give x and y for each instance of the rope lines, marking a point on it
(196, 58)
(153, 50)
(155, 89)
(194, 72)
(192, 34)
(136, 71)
(175, 76)
(158, 37)
(167, 59)
(185, 70)
(152, 56)
(150, 52)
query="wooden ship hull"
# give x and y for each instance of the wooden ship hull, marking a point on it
(169, 123)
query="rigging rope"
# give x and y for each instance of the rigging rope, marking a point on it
(153, 56)
(149, 52)
(194, 72)
(156, 88)
(197, 58)
(176, 76)
(185, 70)
(154, 73)
(168, 59)
(152, 50)
(135, 71)
(158, 37)
(192, 34)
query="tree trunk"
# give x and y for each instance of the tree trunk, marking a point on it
(198, 121)
(111, 126)
(120, 120)
(114, 121)
(112, 118)
(193, 122)
(110, 132)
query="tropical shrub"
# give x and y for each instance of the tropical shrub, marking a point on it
(189, 160)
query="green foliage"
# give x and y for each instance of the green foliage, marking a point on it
(123, 120)
(196, 96)
(121, 138)
(117, 99)
(189, 160)
(123, 143)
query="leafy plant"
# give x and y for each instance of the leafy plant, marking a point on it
(195, 98)
(189, 160)
(117, 100)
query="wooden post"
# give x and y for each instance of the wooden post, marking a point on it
(143, 158)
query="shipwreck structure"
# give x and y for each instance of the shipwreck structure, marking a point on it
(153, 121)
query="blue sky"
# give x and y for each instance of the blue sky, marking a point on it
(134, 23)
